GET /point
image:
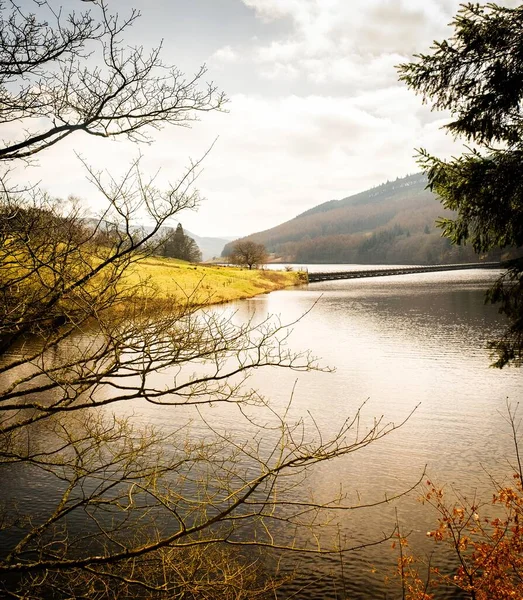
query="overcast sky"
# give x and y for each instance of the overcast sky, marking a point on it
(315, 109)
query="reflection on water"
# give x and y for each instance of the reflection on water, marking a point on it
(395, 343)
(399, 342)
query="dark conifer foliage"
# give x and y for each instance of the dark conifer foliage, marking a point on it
(477, 75)
(179, 245)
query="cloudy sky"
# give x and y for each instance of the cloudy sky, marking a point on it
(315, 109)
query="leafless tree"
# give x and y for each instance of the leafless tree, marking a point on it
(130, 510)
(60, 74)
(248, 253)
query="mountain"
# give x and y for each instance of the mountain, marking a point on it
(392, 223)
(210, 246)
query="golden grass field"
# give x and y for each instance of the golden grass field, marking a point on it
(209, 284)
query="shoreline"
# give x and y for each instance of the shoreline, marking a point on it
(205, 285)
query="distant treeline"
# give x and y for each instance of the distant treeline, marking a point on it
(387, 246)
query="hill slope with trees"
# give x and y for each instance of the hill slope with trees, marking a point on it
(392, 223)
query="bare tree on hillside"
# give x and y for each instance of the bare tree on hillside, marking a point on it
(247, 253)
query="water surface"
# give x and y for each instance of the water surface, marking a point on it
(397, 344)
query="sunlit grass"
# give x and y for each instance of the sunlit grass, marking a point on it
(178, 280)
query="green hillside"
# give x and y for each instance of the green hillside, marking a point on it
(392, 223)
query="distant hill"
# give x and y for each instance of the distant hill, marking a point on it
(392, 223)
(210, 246)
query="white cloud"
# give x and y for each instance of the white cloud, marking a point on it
(321, 114)
(274, 157)
(278, 51)
(225, 54)
(278, 157)
(280, 71)
(335, 40)
(276, 9)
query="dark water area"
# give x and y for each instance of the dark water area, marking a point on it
(397, 345)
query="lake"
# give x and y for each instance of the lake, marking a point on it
(397, 344)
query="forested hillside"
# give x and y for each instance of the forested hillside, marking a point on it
(391, 223)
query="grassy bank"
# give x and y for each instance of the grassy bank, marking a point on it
(175, 279)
